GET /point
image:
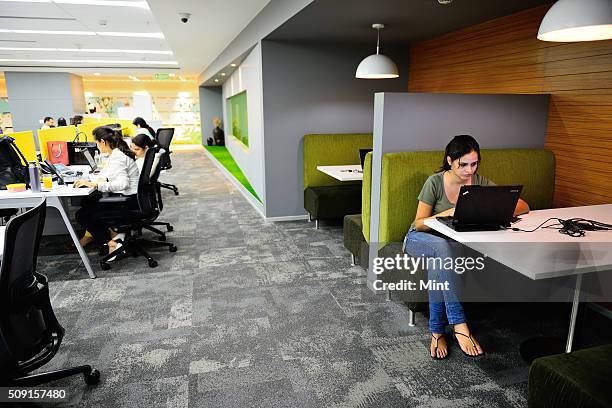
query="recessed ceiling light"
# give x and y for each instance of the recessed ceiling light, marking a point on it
(182, 79)
(137, 35)
(92, 50)
(97, 74)
(171, 75)
(216, 80)
(88, 61)
(88, 33)
(223, 74)
(233, 65)
(133, 78)
(109, 3)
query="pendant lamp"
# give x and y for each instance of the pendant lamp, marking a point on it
(377, 66)
(577, 20)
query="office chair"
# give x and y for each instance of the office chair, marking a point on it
(30, 334)
(122, 219)
(164, 138)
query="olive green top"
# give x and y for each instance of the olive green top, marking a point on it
(433, 192)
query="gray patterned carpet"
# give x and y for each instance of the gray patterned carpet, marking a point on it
(256, 314)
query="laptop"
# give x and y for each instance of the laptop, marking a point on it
(64, 174)
(90, 160)
(362, 156)
(483, 208)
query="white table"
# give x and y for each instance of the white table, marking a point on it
(349, 172)
(591, 253)
(55, 198)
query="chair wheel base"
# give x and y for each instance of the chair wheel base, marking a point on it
(162, 237)
(173, 248)
(104, 266)
(92, 378)
(152, 263)
(170, 228)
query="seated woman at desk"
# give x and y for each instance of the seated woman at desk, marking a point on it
(119, 176)
(438, 198)
(140, 144)
(142, 127)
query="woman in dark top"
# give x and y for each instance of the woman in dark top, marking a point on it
(437, 199)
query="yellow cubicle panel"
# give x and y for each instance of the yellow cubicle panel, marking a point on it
(90, 119)
(86, 131)
(127, 128)
(25, 143)
(63, 133)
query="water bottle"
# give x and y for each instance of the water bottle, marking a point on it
(34, 173)
(97, 159)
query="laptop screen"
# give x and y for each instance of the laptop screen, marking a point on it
(362, 155)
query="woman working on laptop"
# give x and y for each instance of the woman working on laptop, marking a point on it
(119, 176)
(438, 198)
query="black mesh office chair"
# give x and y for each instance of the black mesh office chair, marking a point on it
(164, 138)
(30, 334)
(122, 219)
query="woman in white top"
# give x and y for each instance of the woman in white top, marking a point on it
(140, 144)
(119, 176)
(143, 128)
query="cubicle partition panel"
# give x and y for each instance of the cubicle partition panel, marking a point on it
(26, 144)
(427, 122)
(64, 133)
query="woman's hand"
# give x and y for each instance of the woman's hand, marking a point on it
(448, 213)
(80, 183)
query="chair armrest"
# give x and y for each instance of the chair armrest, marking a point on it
(113, 200)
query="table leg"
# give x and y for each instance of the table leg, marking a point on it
(575, 304)
(57, 203)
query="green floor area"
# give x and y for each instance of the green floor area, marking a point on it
(225, 158)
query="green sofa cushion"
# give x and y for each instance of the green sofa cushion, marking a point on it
(403, 175)
(580, 379)
(352, 230)
(328, 202)
(330, 150)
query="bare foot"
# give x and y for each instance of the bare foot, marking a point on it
(86, 240)
(466, 340)
(438, 348)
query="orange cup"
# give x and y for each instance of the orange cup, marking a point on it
(47, 182)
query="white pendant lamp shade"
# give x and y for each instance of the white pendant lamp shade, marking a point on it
(577, 20)
(377, 66)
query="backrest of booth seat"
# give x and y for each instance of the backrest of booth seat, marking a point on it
(61, 134)
(331, 150)
(25, 143)
(403, 176)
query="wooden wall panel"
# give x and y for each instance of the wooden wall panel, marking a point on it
(504, 56)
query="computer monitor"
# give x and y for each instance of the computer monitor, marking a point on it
(362, 155)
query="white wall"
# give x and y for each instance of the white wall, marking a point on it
(248, 77)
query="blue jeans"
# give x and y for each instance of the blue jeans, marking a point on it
(443, 304)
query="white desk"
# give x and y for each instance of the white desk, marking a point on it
(349, 172)
(536, 254)
(55, 198)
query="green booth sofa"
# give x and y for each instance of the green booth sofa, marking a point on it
(402, 177)
(324, 196)
(581, 379)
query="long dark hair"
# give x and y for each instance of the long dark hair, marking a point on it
(140, 122)
(143, 141)
(459, 146)
(114, 140)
